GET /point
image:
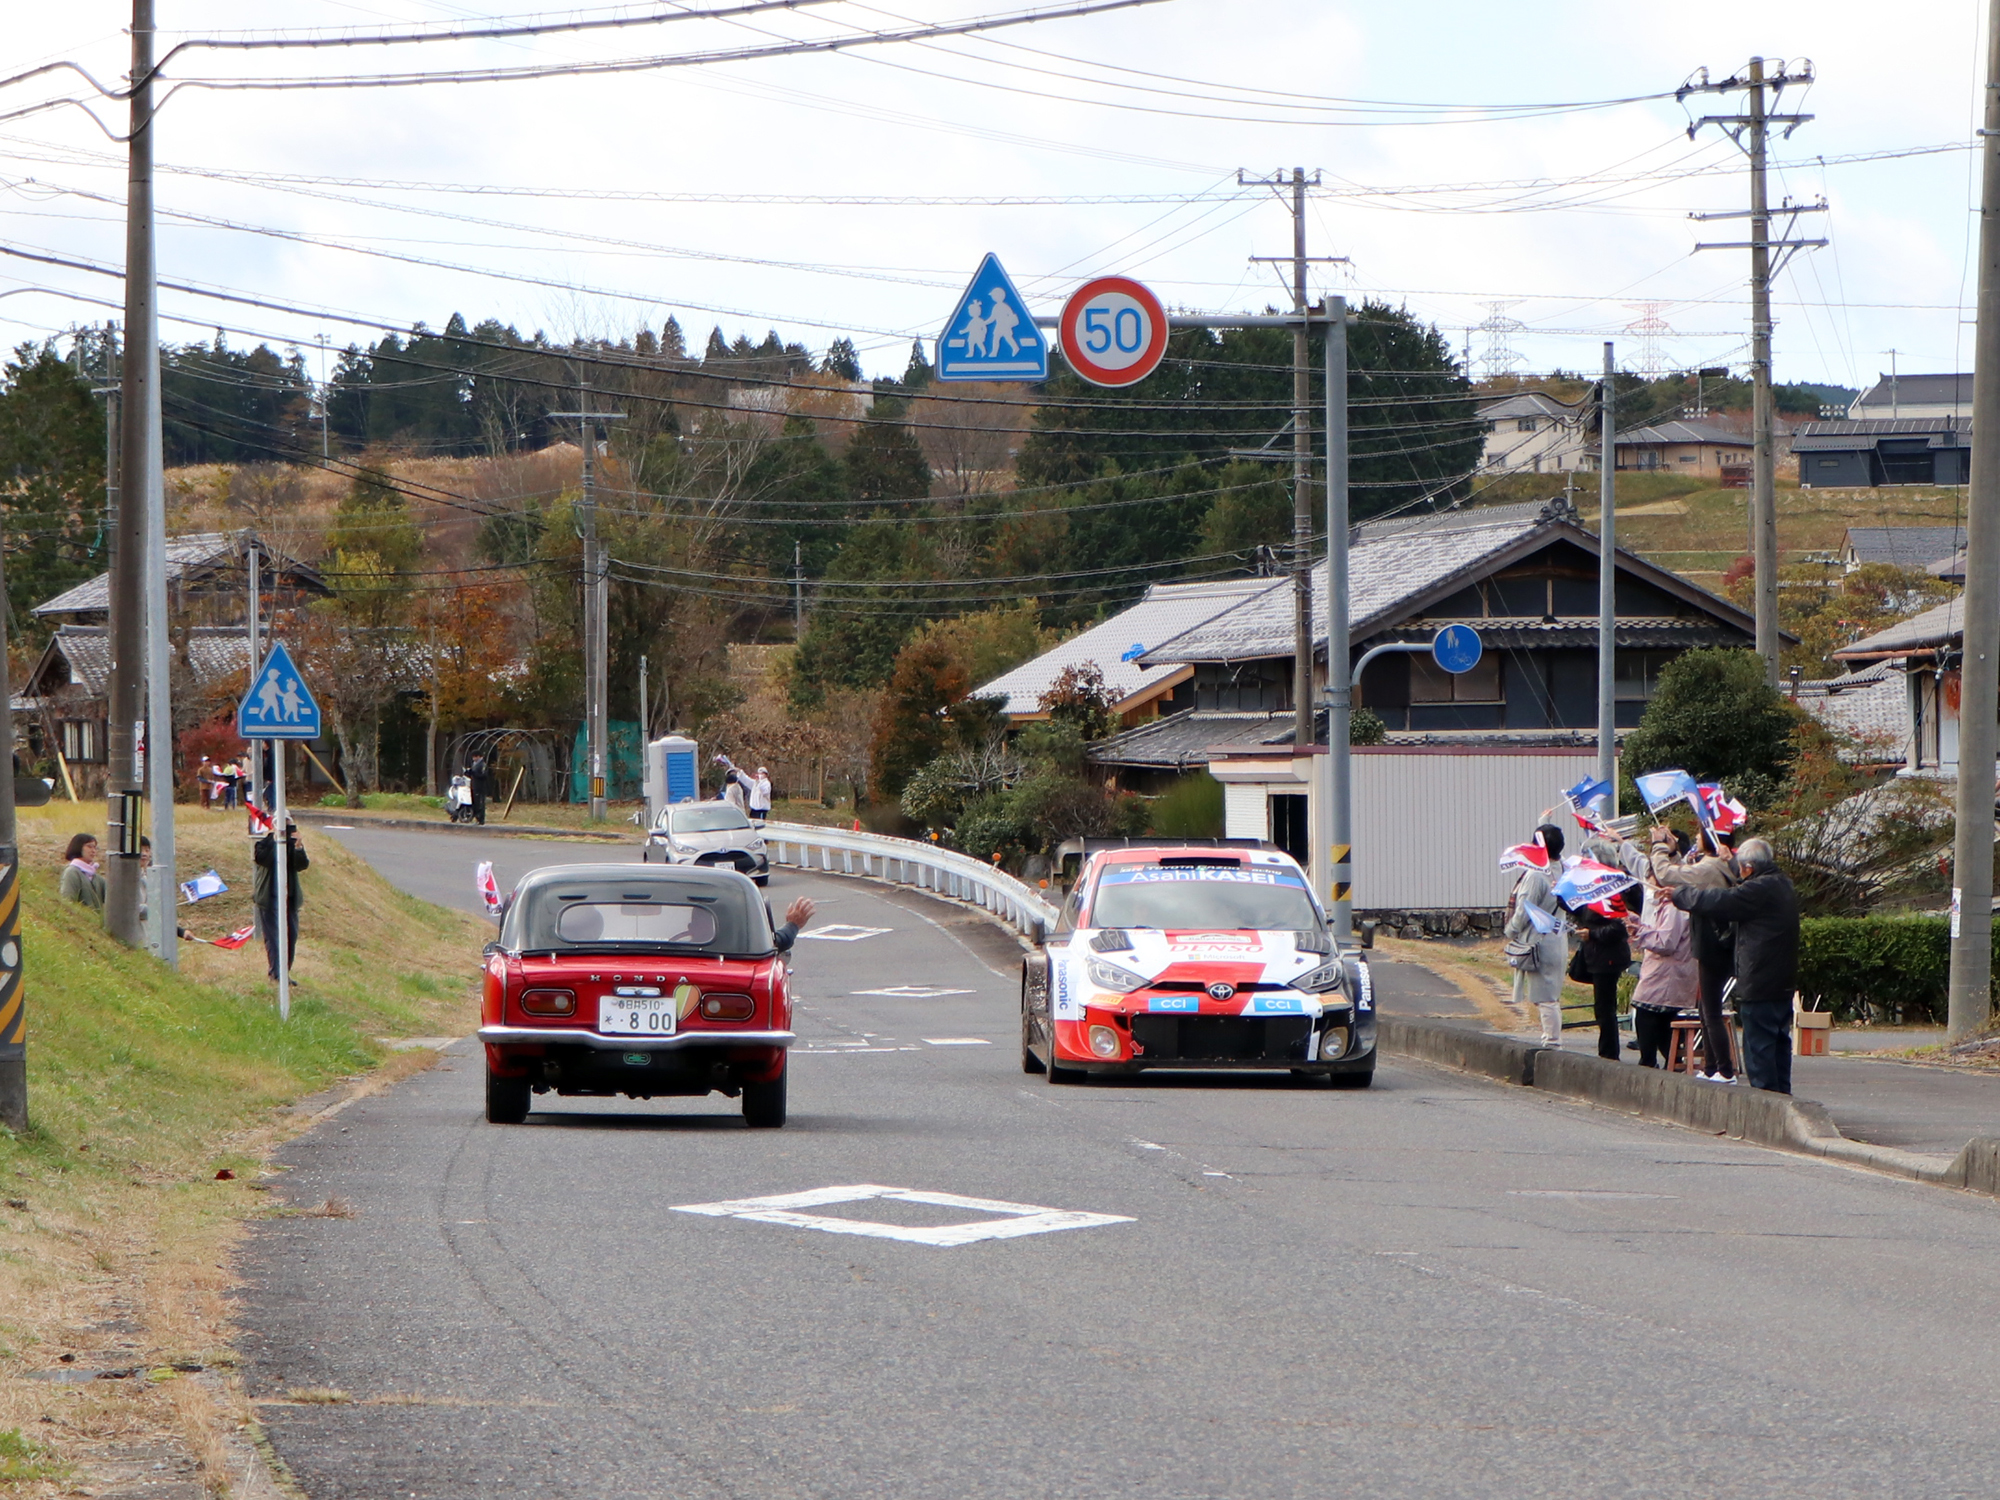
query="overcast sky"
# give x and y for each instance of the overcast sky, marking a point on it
(1578, 219)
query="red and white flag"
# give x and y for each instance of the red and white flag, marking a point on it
(489, 889)
(235, 939)
(1533, 855)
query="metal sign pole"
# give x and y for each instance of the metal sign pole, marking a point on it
(281, 873)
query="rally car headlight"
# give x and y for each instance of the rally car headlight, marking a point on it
(1110, 977)
(1326, 977)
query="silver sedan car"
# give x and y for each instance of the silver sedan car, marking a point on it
(708, 833)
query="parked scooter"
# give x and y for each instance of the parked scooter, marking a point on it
(458, 798)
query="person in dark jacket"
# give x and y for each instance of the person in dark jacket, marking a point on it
(264, 893)
(1605, 955)
(1765, 910)
(1713, 941)
(481, 777)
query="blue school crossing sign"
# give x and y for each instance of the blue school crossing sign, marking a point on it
(279, 705)
(991, 335)
(1457, 648)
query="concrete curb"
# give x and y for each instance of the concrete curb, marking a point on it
(486, 830)
(1741, 1113)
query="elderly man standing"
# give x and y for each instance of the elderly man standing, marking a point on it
(1713, 944)
(1765, 909)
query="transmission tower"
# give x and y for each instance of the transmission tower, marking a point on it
(1649, 328)
(1501, 357)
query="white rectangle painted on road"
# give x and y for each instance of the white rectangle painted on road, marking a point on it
(843, 932)
(1010, 1221)
(957, 1041)
(911, 992)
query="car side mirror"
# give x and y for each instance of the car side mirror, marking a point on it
(489, 950)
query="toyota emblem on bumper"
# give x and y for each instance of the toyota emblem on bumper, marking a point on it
(1221, 991)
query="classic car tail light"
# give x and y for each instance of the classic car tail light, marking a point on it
(548, 1002)
(726, 1007)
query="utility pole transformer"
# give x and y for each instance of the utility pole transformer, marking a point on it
(1751, 132)
(596, 605)
(128, 652)
(1970, 994)
(1607, 584)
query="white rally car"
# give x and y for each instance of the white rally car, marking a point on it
(1192, 957)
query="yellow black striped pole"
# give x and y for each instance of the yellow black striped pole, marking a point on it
(13, 1008)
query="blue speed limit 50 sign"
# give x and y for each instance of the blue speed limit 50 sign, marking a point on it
(1114, 331)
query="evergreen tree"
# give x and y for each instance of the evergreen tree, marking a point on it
(884, 462)
(918, 373)
(1715, 717)
(51, 482)
(842, 359)
(673, 344)
(718, 346)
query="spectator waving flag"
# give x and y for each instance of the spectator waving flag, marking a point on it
(1717, 809)
(1533, 855)
(1585, 880)
(1665, 788)
(1590, 802)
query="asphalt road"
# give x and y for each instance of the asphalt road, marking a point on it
(1437, 1287)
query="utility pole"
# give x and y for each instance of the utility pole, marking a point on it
(645, 722)
(1969, 997)
(1751, 132)
(798, 591)
(325, 426)
(1339, 686)
(13, 1001)
(128, 652)
(1302, 515)
(1895, 406)
(1607, 584)
(596, 603)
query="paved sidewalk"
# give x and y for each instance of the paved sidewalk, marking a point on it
(1914, 1107)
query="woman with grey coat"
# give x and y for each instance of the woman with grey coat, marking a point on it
(1543, 987)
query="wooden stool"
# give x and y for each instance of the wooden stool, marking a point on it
(1683, 1049)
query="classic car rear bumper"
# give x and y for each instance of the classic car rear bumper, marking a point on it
(556, 1036)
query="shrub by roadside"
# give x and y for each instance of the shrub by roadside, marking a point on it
(1892, 967)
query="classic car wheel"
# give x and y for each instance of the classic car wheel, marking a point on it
(506, 1099)
(764, 1103)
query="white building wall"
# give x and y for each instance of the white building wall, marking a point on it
(1429, 823)
(1246, 812)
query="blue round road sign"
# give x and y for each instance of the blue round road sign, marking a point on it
(1457, 648)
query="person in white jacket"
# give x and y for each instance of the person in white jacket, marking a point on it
(760, 795)
(1541, 988)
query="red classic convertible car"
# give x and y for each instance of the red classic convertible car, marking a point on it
(642, 980)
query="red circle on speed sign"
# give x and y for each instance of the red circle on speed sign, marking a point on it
(1113, 331)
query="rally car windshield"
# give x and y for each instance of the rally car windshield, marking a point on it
(1204, 897)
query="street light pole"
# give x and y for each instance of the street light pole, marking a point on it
(1339, 686)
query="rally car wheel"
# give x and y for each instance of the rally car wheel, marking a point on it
(1029, 1062)
(1058, 1073)
(506, 1099)
(764, 1103)
(1353, 1080)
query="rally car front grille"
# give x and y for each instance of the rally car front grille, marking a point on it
(1169, 1038)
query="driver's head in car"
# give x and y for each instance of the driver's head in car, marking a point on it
(583, 924)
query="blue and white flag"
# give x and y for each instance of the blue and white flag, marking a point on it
(1590, 796)
(1665, 788)
(204, 885)
(1541, 921)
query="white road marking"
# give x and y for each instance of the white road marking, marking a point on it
(1014, 1219)
(844, 1049)
(338, 827)
(843, 932)
(957, 1041)
(910, 991)
(1582, 1193)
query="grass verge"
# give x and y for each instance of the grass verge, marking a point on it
(154, 1098)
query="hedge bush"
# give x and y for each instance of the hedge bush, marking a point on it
(1879, 968)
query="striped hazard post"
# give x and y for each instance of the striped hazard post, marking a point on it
(13, 1009)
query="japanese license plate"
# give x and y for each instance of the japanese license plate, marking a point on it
(636, 1015)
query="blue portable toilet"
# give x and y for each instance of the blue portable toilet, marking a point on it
(672, 774)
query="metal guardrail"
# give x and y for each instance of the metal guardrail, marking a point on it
(911, 862)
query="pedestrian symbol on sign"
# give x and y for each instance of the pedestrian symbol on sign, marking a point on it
(278, 706)
(990, 335)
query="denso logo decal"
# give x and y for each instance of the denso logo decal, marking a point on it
(1214, 940)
